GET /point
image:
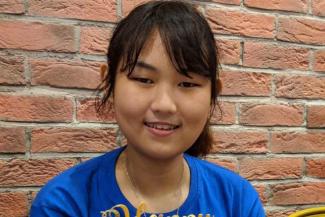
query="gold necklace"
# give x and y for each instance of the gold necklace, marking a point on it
(137, 192)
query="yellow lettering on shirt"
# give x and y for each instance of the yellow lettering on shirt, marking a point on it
(113, 212)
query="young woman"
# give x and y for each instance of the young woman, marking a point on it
(162, 79)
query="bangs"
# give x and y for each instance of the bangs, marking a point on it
(187, 44)
(187, 54)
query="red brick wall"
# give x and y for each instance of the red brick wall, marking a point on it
(273, 99)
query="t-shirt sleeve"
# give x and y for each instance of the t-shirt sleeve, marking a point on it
(256, 209)
(57, 200)
(252, 205)
(44, 211)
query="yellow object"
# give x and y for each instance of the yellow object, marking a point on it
(109, 212)
(141, 209)
(311, 212)
(124, 208)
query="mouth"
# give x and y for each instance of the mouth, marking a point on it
(161, 126)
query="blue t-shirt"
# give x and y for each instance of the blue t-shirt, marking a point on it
(90, 188)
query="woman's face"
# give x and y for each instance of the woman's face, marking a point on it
(160, 111)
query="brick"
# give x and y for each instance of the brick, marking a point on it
(13, 204)
(12, 70)
(34, 194)
(36, 36)
(298, 193)
(271, 114)
(35, 108)
(245, 83)
(12, 6)
(279, 212)
(230, 164)
(316, 116)
(261, 190)
(264, 55)
(240, 23)
(301, 31)
(316, 167)
(86, 112)
(303, 87)
(12, 140)
(83, 159)
(318, 7)
(239, 142)
(224, 113)
(97, 10)
(68, 74)
(94, 40)
(33, 172)
(271, 168)
(298, 142)
(73, 140)
(287, 5)
(230, 2)
(128, 5)
(319, 61)
(229, 51)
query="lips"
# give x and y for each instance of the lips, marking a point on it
(161, 126)
(161, 129)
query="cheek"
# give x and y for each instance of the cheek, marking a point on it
(198, 116)
(124, 106)
(198, 106)
(127, 102)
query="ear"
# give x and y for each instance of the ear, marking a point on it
(103, 71)
(218, 86)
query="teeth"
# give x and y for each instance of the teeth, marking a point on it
(161, 126)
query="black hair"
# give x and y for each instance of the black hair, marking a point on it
(187, 38)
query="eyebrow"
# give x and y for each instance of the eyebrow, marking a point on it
(147, 66)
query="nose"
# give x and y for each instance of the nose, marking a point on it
(164, 101)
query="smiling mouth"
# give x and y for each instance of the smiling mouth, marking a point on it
(161, 126)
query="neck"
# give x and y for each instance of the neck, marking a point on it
(162, 185)
(148, 173)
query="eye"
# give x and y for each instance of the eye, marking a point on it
(142, 80)
(188, 84)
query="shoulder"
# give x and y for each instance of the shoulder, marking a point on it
(227, 186)
(213, 176)
(215, 173)
(71, 187)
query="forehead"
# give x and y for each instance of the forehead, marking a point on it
(153, 45)
(154, 53)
